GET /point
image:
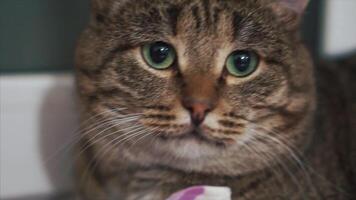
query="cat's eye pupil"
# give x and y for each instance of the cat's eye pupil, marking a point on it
(242, 61)
(159, 52)
(159, 55)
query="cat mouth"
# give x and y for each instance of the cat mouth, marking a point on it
(199, 136)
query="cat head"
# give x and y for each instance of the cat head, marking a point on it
(212, 86)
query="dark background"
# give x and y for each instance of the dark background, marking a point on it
(40, 35)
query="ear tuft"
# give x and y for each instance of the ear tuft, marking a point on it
(101, 9)
(297, 6)
(106, 5)
(100, 5)
(289, 11)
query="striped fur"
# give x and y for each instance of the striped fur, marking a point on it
(259, 138)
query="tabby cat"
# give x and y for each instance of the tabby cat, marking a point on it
(177, 93)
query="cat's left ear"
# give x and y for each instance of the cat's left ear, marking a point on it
(289, 11)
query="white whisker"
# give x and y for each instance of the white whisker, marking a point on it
(77, 136)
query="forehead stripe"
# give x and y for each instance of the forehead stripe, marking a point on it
(197, 17)
(173, 14)
(236, 24)
(206, 5)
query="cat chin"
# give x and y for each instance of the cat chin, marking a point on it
(193, 148)
(189, 147)
(195, 156)
(191, 155)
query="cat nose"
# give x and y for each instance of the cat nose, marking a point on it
(198, 109)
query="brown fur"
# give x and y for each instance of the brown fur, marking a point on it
(263, 137)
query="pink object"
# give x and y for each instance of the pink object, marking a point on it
(202, 193)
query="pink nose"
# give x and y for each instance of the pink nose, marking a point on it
(198, 110)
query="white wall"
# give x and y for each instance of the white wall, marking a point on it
(339, 28)
(37, 118)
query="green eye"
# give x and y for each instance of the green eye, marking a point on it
(159, 55)
(242, 63)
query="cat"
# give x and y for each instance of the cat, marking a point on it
(179, 93)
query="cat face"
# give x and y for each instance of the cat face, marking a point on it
(212, 86)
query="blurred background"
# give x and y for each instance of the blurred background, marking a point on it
(37, 99)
